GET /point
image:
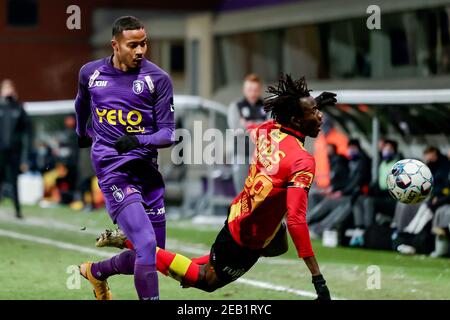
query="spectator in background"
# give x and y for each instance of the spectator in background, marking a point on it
(68, 144)
(413, 223)
(66, 178)
(87, 187)
(338, 176)
(441, 226)
(378, 199)
(440, 167)
(69, 154)
(63, 192)
(339, 169)
(58, 188)
(245, 114)
(329, 135)
(43, 158)
(15, 140)
(440, 200)
(337, 208)
(380, 145)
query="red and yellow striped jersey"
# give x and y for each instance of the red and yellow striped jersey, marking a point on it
(280, 161)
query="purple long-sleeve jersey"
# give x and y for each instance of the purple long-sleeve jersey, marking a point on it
(138, 102)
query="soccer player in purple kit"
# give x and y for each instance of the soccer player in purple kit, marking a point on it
(130, 100)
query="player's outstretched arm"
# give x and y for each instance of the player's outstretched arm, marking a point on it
(160, 139)
(164, 117)
(297, 202)
(163, 138)
(317, 278)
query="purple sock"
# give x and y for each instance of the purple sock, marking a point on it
(122, 263)
(160, 233)
(137, 227)
(146, 282)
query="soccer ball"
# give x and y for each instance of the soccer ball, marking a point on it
(410, 181)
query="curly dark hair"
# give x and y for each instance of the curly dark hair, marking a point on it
(284, 98)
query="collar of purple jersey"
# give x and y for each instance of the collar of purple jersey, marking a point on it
(111, 67)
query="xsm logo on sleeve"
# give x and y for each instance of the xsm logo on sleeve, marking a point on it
(100, 83)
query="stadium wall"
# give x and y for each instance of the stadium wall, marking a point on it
(43, 58)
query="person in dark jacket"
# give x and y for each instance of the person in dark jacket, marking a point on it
(335, 209)
(339, 169)
(439, 201)
(377, 205)
(441, 226)
(15, 140)
(338, 177)
(243, 116)
(378, 200)
(440, 168)
(414, 224)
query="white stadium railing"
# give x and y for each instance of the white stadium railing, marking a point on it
(42, 108)
(395, 98)
(182, 102)
(371, 97)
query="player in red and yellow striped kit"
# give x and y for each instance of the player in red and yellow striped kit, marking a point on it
(277, 186)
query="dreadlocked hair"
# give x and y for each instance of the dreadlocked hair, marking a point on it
(282, 103)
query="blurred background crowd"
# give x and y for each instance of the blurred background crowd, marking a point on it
(224, 54)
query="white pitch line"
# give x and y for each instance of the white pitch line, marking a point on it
(48, 224)
(73, 247)
(54, 243)
(270, 286)
(190, 248)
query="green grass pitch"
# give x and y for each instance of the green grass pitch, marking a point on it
(38, 256)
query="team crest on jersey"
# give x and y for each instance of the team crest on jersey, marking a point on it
(138, 86)
(117, 194)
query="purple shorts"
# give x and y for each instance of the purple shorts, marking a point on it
(135, 181)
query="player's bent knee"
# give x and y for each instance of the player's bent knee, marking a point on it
(146, 248)
(149, 244)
